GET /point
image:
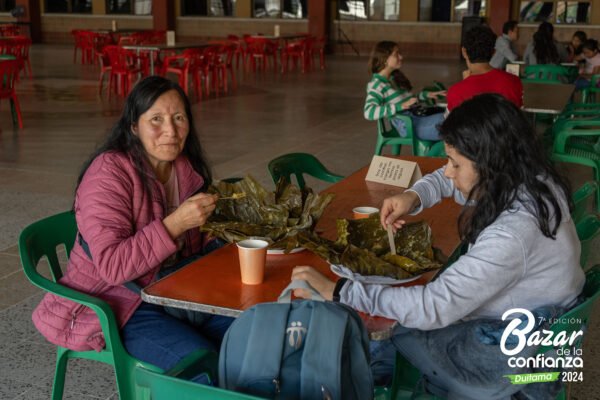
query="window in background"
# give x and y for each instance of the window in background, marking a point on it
(352, 9)
(68, 6)
(295, 9)
(384, 10)
(435, 10)
(118, 7)
(537, 11)
(213, 8)
(573, 12)
(143, 7)
(468, 8)
(6, 5)
(135, 7)
(267, 8)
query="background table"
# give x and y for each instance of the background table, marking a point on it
(213, 284)
(545, 97)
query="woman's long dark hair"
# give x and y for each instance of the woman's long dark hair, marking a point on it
(544, 46)
(379, 55)
(510, 161)
(121, 138)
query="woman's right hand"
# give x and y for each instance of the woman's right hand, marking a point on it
(395, 207)
(192, 213)
(408, 103)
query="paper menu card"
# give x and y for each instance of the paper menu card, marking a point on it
(393, 171)
(514, 69)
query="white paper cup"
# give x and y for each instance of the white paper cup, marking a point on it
(363, 212)
(253, 257)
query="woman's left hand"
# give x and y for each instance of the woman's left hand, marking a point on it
(317, 280)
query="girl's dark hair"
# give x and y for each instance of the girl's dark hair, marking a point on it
(590, 44)
(122, 140)
(581, 35)
(512, 165)
(379, 55)
(544, 46)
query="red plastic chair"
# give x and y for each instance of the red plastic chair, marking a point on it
(239, 50)
(317, 47)
(123, 68)
(10, 30)
(297, 51)
(258, 50)
(9, 71)
(22, 45)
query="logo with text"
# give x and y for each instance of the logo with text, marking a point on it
(519, 334)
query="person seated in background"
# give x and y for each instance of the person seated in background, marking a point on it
(505, 49)
(389, 93)
(544, 49)
(480, 77)
(591, 66)
(139, 201)
(523, 252)
(575, 47)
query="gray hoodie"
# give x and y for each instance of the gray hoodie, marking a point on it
(511, 265)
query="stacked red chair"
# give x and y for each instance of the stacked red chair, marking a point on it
(124, 70)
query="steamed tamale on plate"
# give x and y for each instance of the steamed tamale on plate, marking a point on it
(287, 217)
(273, 216)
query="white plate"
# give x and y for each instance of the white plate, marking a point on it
(282, 251)
(345, 272)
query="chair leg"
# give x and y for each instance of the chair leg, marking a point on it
(396, 148)
(62, 357)
(16, 111)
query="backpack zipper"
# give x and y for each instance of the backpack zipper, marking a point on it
(276, 383)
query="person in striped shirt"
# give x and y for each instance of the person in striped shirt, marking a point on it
(389, 94)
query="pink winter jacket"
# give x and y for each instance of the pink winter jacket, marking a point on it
(122, 225)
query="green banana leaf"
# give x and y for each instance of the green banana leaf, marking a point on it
(260, 213)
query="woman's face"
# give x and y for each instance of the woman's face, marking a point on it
(394, 61)
(163, 128)
(575, 42)
(589, 53)
(461, 171)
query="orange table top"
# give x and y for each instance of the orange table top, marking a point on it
(212, 284)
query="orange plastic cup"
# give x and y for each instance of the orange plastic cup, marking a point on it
(253, 257)
(363, 212)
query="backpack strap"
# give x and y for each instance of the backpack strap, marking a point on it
(327, 322)
(266, 348)
(286, 294)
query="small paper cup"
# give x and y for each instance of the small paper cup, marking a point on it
(363, 212)
(253, 257)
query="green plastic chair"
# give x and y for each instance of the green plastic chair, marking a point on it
(156, 386)
(547, 73)
(583, 200)
(298, 164)
(391, 137)
(589, 94)
(437, 150)
(579, 146)
(588, 229)
(40, 240)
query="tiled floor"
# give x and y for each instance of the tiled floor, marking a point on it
(320, 113)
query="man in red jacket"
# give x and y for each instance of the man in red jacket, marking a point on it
(480, 77)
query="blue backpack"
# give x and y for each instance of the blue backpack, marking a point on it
(303, 349)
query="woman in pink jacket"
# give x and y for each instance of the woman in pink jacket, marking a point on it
(138, 204)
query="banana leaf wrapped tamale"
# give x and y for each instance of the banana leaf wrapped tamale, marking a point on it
(271, 215)
(363, 247)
